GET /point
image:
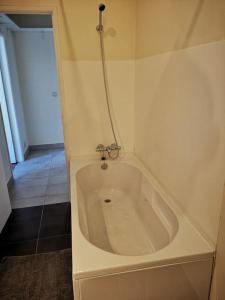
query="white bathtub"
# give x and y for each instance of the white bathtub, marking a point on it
(129, 239)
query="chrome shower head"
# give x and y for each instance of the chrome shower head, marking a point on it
(101, 8)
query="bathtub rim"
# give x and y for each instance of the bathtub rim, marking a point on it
(89, 260)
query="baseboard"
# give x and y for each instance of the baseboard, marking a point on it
(10, 182)
(26, 153)
(46, 147)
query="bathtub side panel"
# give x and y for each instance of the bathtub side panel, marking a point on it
(183, 281)
(76, 290)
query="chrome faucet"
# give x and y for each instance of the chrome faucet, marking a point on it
(108, 149)
(101, 148)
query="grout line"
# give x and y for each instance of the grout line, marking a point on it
(56, 236)
(39, 229)
(43, 206)
(44, 203)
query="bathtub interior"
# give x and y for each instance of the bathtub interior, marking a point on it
(120, 212)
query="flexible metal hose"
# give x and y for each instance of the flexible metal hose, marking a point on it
(106, 83)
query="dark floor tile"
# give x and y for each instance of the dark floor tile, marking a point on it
(18, 249)
(39, 153)
(56, 220)
(53, 225)
(57, 209)
(54, 243)
(18, 232)
(24, 215)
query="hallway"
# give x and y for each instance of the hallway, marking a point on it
(41, 179)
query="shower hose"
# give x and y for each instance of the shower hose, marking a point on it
(115, 153)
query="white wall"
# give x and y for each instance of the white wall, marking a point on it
(15, 84)
(84, 87)
(179, 103)
(38, 80)
(179, 129)
(12, 93)
(5, 173)
(6, 122)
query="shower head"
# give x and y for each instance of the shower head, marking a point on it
(101, 7)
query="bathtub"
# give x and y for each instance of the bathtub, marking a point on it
(129, 239)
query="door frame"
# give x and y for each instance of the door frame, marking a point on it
(54, 11)
(6, 122)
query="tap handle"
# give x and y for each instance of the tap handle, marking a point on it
(100, 148)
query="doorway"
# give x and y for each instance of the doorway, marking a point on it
(39, 192)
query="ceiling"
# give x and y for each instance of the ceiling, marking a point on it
(31, 21)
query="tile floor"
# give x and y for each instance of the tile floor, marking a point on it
(38, 229)
(41, 219)
(40, 180)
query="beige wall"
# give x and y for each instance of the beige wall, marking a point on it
(80, 19)
(179, 103)
(86, 120)
(87, 115)
(83, 102)
(168, 25)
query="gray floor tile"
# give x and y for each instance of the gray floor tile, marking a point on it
(40, 154)
(58, 164)
(28, 202)
(58, 153)
(30, 182)
(57, 179)
(58, 161)
(38, 161)
(19, 192)
(57, 199)
(57, 189)
(58, 170)
(44, 173)
(31, 173)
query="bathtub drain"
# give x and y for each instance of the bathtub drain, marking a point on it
(107, 200)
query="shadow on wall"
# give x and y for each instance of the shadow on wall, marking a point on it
(67, 31)
(86, 109)
(182, 133)
(193, 23)
(84, 91)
